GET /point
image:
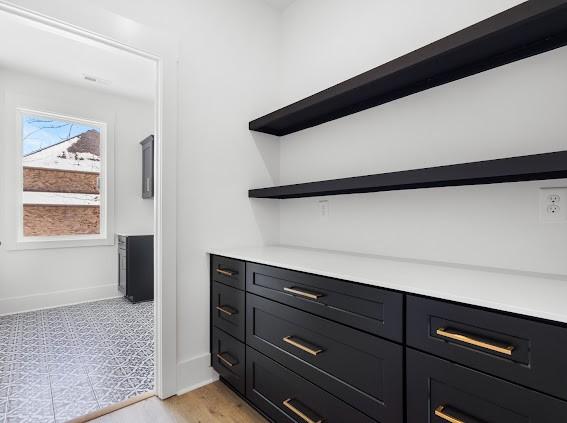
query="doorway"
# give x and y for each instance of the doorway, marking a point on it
(64, 334)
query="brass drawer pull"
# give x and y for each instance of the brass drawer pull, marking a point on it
(441, 414)
(451, 334)
(306, 294)
(313, 351)
(287, 404)
(227, 310)
(229, 363)
(228, 273)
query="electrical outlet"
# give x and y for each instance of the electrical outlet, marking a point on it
(553, 204)
(554, 198)
(553, 210)
(324, 208)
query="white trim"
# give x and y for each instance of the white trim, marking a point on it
(67, 29)
(105, 175)
(95, 24)
(198, 385)
(194, 373)
(25, 303)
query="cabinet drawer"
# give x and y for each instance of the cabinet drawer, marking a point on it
(367, 308)
(228, 359)
(523, 351)
(228, 310)
(228, 271)
(363, 370)
(287, 397)
(439, 391)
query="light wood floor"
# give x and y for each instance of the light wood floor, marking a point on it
(211, 403)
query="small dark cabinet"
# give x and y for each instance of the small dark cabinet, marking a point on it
(148, 167)
(136, 267)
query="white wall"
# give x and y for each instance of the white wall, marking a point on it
(228, 71)
(513, 110)
(32, 279)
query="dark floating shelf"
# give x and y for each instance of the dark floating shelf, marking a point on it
(515, 169)
(530, 28)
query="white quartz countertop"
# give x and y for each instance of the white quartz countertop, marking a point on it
(532, 295)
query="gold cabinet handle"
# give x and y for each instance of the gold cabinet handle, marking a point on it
(439, 412)
(226, 272)
(287, 404)
(306, 294)
(451, 334)
(226, 361)
(227, 310)
(297, 344)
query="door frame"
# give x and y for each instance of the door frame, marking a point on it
(93, 24)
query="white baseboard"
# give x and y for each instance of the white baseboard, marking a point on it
(194, 373)
(45, 300)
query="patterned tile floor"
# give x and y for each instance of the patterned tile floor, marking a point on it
(61, 363)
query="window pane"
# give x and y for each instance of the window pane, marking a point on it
(61, 170)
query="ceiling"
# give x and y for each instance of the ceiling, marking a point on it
(280, 4)
(66, 57)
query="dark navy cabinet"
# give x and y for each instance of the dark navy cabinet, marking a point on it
(136, 267)
(305, 348)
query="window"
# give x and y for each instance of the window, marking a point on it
(62, 175)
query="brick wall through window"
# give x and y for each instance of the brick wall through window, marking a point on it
(61, 189)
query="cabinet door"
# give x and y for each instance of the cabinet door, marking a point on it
(228, 359)
(522, 351)
(288, 398)
(229, 271)
(439, 391)
(228, 310)
(367, 308)
(363, 370)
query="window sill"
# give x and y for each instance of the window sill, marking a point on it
(41, 243)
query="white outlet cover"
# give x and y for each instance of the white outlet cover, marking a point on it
(553, 204)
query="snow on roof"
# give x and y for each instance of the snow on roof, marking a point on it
(78, 153)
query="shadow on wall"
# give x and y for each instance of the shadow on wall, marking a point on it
(268, 146)
(264, 211)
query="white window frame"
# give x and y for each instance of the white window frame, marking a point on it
(14, 171)
(102, 178)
